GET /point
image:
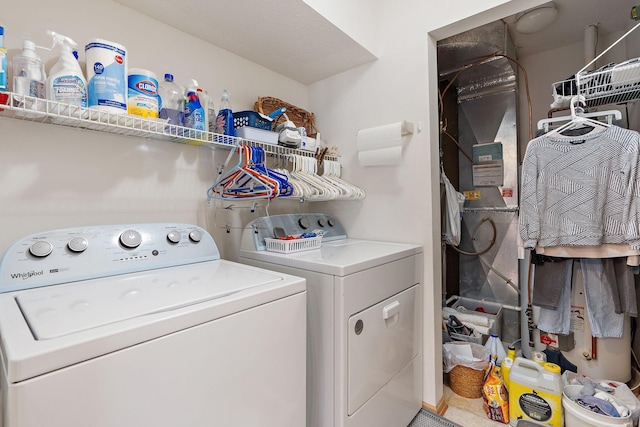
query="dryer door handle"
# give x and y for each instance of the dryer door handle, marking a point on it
(391, 310)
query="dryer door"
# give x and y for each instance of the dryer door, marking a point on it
(381, 342)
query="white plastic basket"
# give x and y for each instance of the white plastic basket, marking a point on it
(295, 245)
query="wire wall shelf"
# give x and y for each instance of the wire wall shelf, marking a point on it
(28, 108)
(609, 84)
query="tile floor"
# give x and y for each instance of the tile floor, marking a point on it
(466, 412)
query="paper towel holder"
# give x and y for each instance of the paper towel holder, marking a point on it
(407, 128)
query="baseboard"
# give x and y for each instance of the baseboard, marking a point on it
(440, 409)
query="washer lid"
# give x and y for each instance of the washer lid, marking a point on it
(55, 311)
(339, 257)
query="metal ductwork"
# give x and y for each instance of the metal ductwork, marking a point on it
(460, 51)
(485, 110)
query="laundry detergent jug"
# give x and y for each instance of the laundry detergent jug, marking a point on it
(535, 392)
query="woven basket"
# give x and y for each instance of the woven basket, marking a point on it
(302, 118)
(467, 382)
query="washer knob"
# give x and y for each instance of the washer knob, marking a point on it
(195, 236)
(78, 244)
(174, 236)
(41, 249)
(322, 222)
(130, 239)
(304, 222)
(331, 222)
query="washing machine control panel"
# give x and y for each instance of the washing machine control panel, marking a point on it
(81, 253)
(291, 225)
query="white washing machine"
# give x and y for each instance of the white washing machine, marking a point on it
(364, 357)
(145, 325)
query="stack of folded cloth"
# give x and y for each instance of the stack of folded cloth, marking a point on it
(478, 323)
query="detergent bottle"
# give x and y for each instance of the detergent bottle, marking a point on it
(66, 82)
(535, 392)
(494, 345)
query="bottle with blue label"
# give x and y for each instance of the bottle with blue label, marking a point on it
(224, 119)
(3, 62)
(107, 69)
(66, 83)
(194, 114)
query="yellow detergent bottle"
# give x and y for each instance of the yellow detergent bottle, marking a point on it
(535, 392)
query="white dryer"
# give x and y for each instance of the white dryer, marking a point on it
(145, 325)
(364, 316)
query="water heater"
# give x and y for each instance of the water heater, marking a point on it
(597, 358)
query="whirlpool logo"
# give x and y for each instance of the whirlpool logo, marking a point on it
(27, 275)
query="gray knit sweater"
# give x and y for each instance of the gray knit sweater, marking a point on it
(581, 190)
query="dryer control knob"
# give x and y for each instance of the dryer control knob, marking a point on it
(195, 236)
(78, 244)
(130, 239)
(322, 222)
(304, 222)
(331, 222)
(174, 236)
(41, 249)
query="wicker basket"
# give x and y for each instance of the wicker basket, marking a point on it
(302, 118)
(467, 382)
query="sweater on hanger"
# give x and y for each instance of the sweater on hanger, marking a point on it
(581, 190)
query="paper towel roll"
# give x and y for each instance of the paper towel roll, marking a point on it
(382, 145)
(381, 157)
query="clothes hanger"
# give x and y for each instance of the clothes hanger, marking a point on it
(259, 160)
(579, 120)
(609, 115)
(243, 182)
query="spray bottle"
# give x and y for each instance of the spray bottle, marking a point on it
(66, 83)
(29, 77)
(194, 114)
(3, 62)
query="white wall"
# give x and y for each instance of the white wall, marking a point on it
(402, 202)
(546, 68)
(53, 177)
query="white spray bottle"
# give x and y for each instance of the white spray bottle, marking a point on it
(66, 83)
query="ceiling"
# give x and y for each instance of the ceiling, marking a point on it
(285, 36)
(303, 45)
(574, 16)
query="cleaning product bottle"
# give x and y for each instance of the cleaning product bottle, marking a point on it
(204, 99)
(211, 112)
(171, 101)
(29, 77)
(193, 112)
(507, 363)
(535, 392)
(66, 82)
(3, 62)
(224, 119)
(496, 348)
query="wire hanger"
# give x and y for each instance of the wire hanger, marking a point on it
(579, 119)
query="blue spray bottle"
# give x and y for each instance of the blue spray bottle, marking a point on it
(224, 119)
(194, 114)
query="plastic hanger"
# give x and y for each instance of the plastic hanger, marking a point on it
(579, 119)
(243, 182)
